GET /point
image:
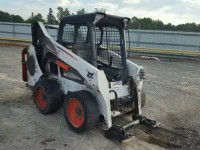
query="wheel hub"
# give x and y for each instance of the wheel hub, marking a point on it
(75, 112)
(40, 97)
(79, 111)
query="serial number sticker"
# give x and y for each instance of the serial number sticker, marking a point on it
(115, 84)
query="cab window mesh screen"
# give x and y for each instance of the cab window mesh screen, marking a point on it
(97, 36)
(75, 37)
(108, 46)
(82, 34)
(68, 33)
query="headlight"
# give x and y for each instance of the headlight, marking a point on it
(142, 74)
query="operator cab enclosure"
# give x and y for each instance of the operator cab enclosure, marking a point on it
(99, 39)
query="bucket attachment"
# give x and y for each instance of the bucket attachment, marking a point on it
(120, 133)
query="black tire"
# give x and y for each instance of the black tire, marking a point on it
(86, 110)
(47, 96)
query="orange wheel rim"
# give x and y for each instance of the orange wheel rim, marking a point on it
(75, 112)
(40, 98)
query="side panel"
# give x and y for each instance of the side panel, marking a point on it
(71, 86)
(32, 63)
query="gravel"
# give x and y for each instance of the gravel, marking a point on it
(173, 98)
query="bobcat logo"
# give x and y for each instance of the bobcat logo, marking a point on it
(90, 75)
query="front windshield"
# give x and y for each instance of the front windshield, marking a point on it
(109, 47)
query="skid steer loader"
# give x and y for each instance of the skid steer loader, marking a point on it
(86, 70)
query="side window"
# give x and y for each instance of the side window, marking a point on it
(97, 35)
(109, 46)
(111, 37)
(68, 33)
(82, 34)
(76, 38)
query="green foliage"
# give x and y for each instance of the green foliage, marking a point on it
(17, 18)
(50, 17)
(188, 27)
(81, 11)
(62, 13)
(146, 24)
(6, 17)
(135, 23)
(35, 18)
(149, 24)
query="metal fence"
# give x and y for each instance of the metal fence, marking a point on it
(187, 41)
(165, 44)
(20, 30)
(162, 44)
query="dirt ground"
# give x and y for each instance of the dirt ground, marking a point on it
(173, 99)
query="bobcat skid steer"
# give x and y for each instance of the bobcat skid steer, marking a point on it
(86, 70)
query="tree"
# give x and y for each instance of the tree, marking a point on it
(146, 24)
(32, 15)
(135, 23)
(35, 18)
(17, 18)
(188, 27)
(150, 24)
(5, 17)
(169, 27)
(50, 17)
(62, 13)
(81, 11)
